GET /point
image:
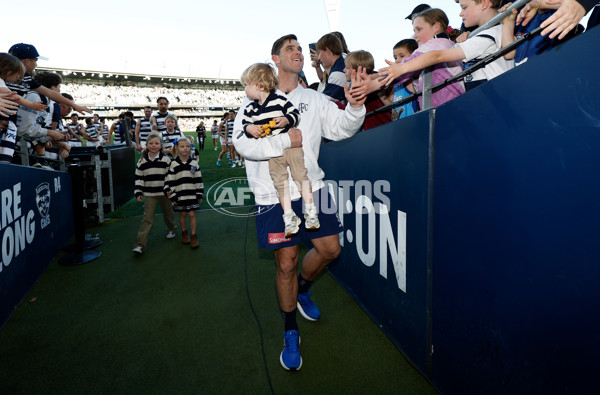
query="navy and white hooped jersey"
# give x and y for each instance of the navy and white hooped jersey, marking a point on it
(160, 120)
(27, 84)
(169, 140)
(230, 128)
(98, 127)
(73, 129)
(91, 131)
(145, 129)
(105, 132)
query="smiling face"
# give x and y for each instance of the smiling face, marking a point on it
(424, 31)
(290, 58)
(153, 144)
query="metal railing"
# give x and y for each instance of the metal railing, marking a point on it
(428, 90)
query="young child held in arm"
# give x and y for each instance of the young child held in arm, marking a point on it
(150, 175)
(184, 187)
(473, 13)
(270, 114)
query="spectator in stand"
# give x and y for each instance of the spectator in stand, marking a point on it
(143, 128)
(329, 49)
(402, 50)
(417, 10)
(356, 62)
(474, 13)
(37, 126)
(29, 55)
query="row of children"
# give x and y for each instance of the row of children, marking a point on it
(31, 108)
(174, 184)
(439, 48)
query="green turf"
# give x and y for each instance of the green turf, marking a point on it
(178, 321)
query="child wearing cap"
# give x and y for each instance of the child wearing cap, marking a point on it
(29, 56)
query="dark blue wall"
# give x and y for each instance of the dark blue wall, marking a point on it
(503, 264)
(36, 220)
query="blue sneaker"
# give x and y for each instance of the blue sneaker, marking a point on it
(219, 163)
(307, 307)
(290, 357)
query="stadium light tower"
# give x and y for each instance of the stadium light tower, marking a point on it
(332, 7)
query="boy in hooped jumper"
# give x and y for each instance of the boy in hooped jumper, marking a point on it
(278, 115)
(150, 176)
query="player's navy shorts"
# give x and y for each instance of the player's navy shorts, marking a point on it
(271, 229)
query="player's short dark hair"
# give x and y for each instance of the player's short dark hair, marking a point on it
(280, 41)
(162, 97)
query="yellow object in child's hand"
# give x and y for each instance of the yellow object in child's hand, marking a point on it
(267, 128)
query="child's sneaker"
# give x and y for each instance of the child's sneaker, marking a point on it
(311, 218)
(292, 224)
(138, 250)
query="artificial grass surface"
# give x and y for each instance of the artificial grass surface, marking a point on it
(176, 320)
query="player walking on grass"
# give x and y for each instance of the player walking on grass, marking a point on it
(319, 118)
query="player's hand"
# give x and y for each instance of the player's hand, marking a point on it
(139, 198)
(564, 19)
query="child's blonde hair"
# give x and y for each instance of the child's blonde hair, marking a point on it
(173, 117)
(261, 74)
(360, 58)
(10, 64)
(433, 16)
(152, 136)
(179, 140)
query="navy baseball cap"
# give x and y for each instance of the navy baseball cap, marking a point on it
(418, 9)
(25, 51)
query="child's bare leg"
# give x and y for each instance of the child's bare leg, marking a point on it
(182, 221)
(306, 191)
(192, 215)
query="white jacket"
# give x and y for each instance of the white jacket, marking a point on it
(319, 117)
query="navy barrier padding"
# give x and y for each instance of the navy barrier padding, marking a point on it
(516, 269)
(503, 269)
(402, 159)
(36, 220)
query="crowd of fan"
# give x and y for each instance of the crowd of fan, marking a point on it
(124, 95)
(33, 109)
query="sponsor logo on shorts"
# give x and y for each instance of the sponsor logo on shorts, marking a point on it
(276, 238)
